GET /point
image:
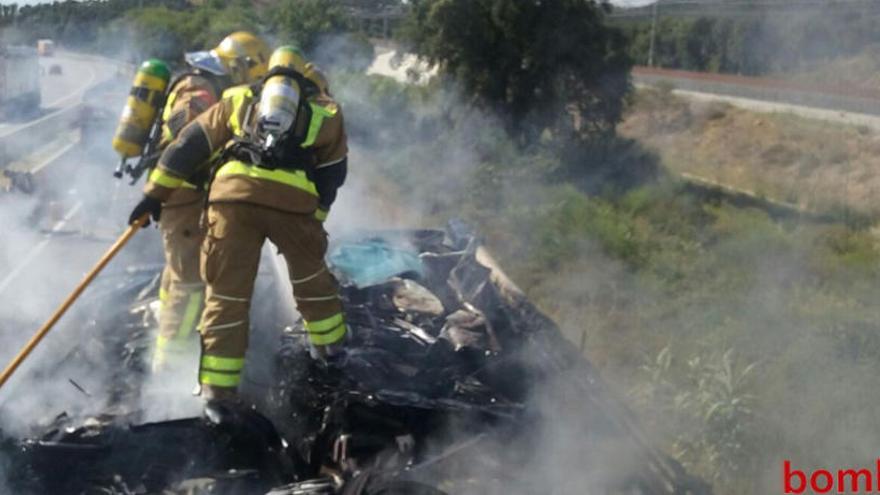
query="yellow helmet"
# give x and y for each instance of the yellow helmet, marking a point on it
(288, 56)
(245, 56)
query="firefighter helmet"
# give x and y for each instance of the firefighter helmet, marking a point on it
(242, 56)
(288, 56)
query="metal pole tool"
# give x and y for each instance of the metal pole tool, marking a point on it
(35, 340)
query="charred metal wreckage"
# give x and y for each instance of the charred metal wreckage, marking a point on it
(452, 383)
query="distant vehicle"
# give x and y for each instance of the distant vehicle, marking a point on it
(55, 70)
(19, 79)
(46, 47)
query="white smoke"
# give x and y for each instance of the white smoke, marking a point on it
(50, 240)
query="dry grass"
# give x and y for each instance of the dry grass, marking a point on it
(820, 166)
(859, 71)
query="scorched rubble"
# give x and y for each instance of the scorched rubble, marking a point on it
(452, 383)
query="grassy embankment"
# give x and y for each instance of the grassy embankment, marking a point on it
(820, 166)
(740, 340)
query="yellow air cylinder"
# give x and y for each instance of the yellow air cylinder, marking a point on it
(143, 105)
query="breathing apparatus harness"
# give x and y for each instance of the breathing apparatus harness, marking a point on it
(284, 151)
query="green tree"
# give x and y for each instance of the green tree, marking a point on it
(545, 65)
(304, 21)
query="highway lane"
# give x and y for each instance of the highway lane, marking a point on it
(60, 91)
(53, 237)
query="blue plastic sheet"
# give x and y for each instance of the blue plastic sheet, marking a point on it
(374, 261)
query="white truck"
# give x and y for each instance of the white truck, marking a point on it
(19, 80)
(46, 47)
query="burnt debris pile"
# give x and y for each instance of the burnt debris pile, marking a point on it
(451, 382)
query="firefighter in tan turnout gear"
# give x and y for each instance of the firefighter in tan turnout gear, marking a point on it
(240, 58)
(283, 156)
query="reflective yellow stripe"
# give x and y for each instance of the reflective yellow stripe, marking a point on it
(238, 94)
(160, 177)
(187, 185)
(163, 294)
(321, 214)
(331, 337)
(217, 363)
(193, 307)
(219, 379)
(324, 325)
(295, 178)
(319, 113)
(166, 114)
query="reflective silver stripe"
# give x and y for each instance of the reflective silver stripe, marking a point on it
(295, 281)
(230, 298)
(226, 325)
(334, 162)
(326, 298)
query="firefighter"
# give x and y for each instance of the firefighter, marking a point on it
(284, 155)
(241, 57)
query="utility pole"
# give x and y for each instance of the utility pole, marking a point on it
(653, 33)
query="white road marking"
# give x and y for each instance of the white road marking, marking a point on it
(12, 275)
(54, 156)
(78, 92)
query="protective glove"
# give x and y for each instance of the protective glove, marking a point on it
(146, 205)
(321, 213)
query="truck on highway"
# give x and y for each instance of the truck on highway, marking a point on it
(45, 47)
(19, 80)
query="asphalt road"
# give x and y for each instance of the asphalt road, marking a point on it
(53, 237)
(832, 103)
(78, 74)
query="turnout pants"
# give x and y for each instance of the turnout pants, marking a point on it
(230, 260)
(182, 290)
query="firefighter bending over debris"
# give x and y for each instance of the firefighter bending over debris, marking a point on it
(283, 155)
(240, 58)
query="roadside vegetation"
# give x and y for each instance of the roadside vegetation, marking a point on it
(137, 29)
(758, 42)
(740, 339)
